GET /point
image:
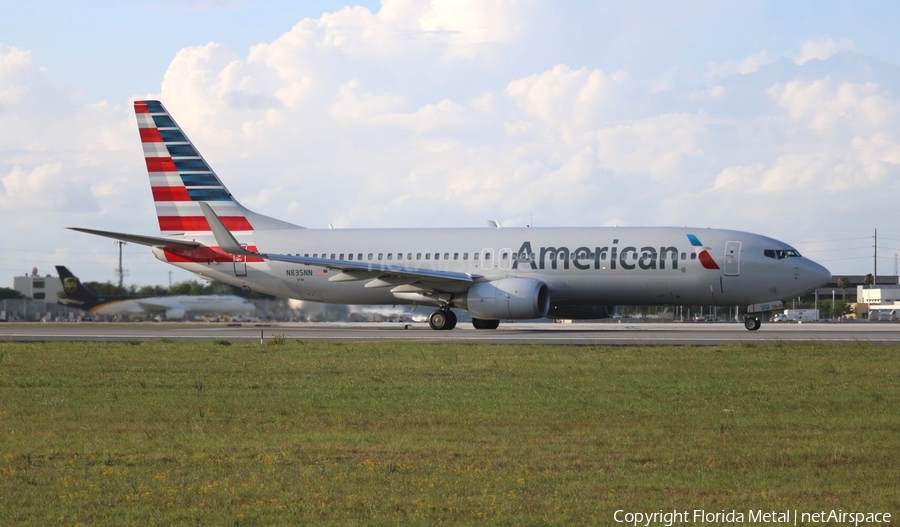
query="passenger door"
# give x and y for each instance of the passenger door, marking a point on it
(732, 258)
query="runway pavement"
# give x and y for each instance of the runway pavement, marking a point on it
(534, 333)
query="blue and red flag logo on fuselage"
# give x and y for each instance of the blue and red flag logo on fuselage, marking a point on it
(705, 259)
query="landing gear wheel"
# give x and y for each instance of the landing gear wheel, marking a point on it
(485, 324)
(442, 319)
(451, 320)
(752, 323)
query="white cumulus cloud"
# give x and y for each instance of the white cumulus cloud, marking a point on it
(822, 48)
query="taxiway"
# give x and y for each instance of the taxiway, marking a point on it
(535, 333)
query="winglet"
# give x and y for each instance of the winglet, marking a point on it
(223, 236)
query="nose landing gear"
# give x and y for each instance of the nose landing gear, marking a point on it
(753, 318)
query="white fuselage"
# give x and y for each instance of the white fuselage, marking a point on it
(177, 307)
(581, 266)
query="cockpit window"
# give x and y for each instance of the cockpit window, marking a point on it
(779, 254)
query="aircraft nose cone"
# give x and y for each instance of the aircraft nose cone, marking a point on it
(818, 275)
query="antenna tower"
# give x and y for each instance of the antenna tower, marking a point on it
(119, 271)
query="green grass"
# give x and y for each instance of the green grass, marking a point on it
(408, 433)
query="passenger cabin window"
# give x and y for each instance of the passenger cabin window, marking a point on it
(350, 256)
(446, 256)
(370, 257)
(359, 256)
(465, 256)
(693, 256)
(475, 256)
(409, 256)
(342, 256)
(428, 256)
(390, 256)
(456, 256)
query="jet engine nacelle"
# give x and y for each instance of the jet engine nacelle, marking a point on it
(175, 313)
(509, 298)
(582, 312)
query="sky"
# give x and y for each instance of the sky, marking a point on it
(779, 118)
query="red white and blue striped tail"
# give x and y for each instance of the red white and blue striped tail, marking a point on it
(180, 179)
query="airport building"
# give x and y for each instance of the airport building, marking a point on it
(854, 282)
(878, 303)
(35, 287)
(878, 295)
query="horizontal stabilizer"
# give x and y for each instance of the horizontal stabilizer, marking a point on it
(150, 241)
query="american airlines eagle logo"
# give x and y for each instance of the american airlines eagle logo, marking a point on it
(705, 259)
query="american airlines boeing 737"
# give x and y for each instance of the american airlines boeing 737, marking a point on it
(493, 273)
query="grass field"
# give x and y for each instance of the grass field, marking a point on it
(295, 432)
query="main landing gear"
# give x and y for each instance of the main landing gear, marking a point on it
(442, 319)
(485, 324)
(445, 319)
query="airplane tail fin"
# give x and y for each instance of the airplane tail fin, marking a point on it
(74, 291)
(181, 179)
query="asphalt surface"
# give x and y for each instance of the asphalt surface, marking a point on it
(622, 333)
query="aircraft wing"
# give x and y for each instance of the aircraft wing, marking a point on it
(372, 270)
(150, 241)
(370, 267)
